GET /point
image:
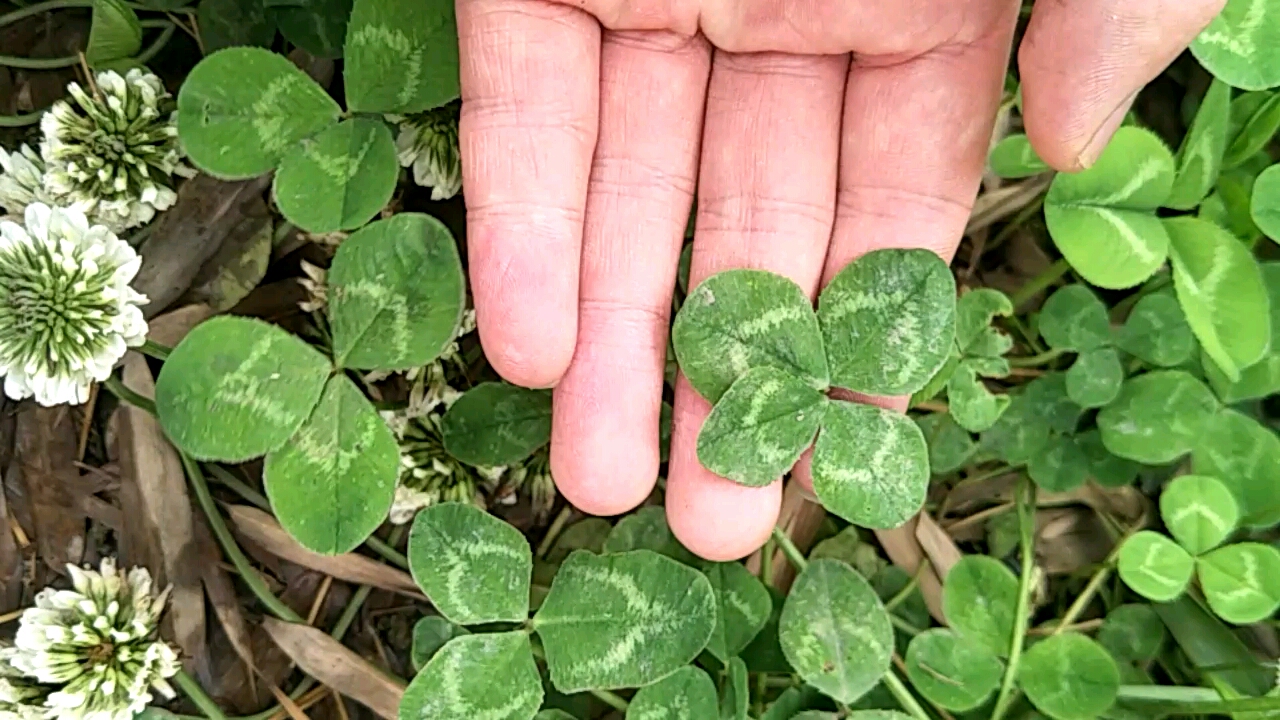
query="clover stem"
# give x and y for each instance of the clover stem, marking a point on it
(903, 695)
(1016, 222)
(1027, 557)
(155, 350)
(1040, 282)
(229, 546)
(1082, 601)
(349, 613)
(15, 121)
(1043, 358)
(39, 63)
(126, 395)
(553, 532)
(154, 48)
(907, 589)
(789, 549)
(229, 480)
(192, 690)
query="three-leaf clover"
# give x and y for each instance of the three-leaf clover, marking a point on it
(1241, 582)
(750, 342)
(1073, 319)
(979, 352)
(236, 388)
(628, 619)
(244, 111)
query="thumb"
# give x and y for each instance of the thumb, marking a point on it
(1083, 62)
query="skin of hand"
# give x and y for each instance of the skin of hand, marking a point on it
(811, 131)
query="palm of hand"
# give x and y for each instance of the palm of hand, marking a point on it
(583, 148)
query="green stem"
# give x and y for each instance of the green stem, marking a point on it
(904, 626)
(154, 48)
(155, 350)
(39, 63)
(198, 696)
(1043, 358)
(789, 549)
(229, 546)
(16, 121)
(904, 696)
(909, 588)
(1035, 285)
(553, 532)
(388, 552)
(229, 479)
(1027, 557)
(1016, 222)
(1086, 596)
(38, 8)
(117, 388)
(238, 486)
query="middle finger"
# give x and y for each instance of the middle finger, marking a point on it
(766, 200)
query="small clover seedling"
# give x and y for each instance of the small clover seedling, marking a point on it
(750, 343)
(979, 352)
(1241, 582)
(236, 389)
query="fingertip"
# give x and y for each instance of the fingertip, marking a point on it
(604, 435)
(715, 518)
(525, 352)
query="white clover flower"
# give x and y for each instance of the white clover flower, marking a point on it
(21, 180)
(67, 313)
(113, 154)
(429, 474)
(428, 141)
(97, 644)
(20, 697)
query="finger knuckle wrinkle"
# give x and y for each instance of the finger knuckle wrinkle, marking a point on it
(633, 177)
(762, 213)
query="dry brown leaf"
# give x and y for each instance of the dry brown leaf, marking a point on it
(46, 445)
(1005, 202)
(337, 667)
(239, 265)
(937, 544)
(263, 530)
(153, 492)
(189, 233)
(905, 550)
(1070, 539)
(169, 329)
(222, 595)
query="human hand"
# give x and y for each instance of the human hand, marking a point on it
(580, 150)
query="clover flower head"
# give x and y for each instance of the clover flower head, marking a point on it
(67, 312)
(428, 141)
(21, 698)
(113, 153)
(97, 644)
(430, 475)
(533, 476)
(21, 180)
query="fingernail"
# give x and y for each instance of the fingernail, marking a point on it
(1098, 141)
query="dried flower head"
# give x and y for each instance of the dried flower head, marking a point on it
(67, 313)
(112, 154)
(428, 141)
(21, 181)
(97, 644)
